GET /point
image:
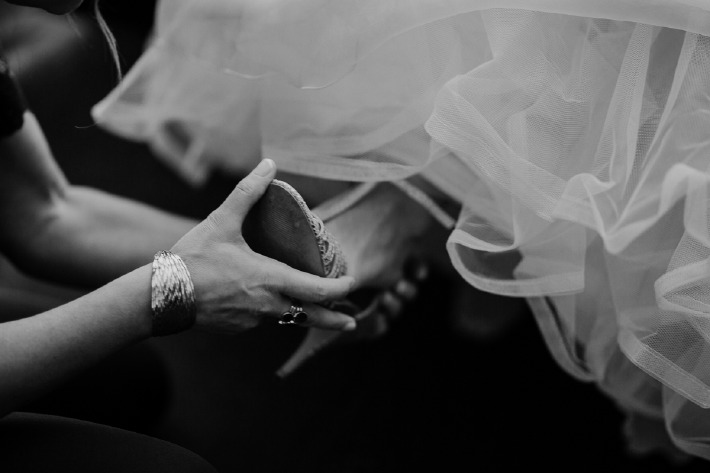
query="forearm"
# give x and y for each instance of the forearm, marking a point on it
(53, 230)
(38, 352)
(93, 237)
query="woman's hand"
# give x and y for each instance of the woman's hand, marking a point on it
(236, 288)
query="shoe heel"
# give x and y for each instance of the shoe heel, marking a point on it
(316, 340)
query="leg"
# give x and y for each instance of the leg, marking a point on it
(130, 390)
(39, 443)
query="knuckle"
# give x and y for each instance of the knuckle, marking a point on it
(405, 289)
(320, 292)
(245, 187)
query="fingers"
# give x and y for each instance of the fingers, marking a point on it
(416, 270)
(307, 287)
(321, 317)
(316, 316)
(406, 290)
(392, 304)
(393, 300)
(381, 325)
(249, 190)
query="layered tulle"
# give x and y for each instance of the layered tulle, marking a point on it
(575, 133)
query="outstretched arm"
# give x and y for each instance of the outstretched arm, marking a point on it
(38, 352)
(234, 289)
(77, 235)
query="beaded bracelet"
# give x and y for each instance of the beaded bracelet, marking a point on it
(172, 300)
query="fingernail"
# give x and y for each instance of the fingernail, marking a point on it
(264, 167)
(350, 325)
(350, 280)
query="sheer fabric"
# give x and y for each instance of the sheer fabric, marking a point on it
(575, 133)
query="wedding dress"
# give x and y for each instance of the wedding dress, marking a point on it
(575, 134)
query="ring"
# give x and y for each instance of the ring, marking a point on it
(295, 315)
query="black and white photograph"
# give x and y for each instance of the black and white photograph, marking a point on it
(354, 236)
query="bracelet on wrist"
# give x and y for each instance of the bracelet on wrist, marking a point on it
(172, 301)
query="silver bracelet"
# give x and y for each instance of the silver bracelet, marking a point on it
(172, 298)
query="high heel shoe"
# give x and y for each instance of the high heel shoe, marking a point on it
(282, 227)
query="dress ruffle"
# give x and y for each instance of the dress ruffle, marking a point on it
(575, 133)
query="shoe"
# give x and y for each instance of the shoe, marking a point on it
(282, 227)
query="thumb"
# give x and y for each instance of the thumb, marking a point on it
(249, 190)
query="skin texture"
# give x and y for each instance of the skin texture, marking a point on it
(56, 231)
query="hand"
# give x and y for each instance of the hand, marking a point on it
(236, 288)
(379, 234)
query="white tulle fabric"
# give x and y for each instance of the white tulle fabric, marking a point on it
(576, 134)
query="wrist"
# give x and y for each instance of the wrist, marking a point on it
(128, 299)
(173, 307)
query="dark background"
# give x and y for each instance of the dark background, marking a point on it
(439, 391)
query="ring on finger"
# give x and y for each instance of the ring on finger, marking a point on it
(295, 315)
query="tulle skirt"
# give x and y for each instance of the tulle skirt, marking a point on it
(575, 133)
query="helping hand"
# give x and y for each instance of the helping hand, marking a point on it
(235, 287)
